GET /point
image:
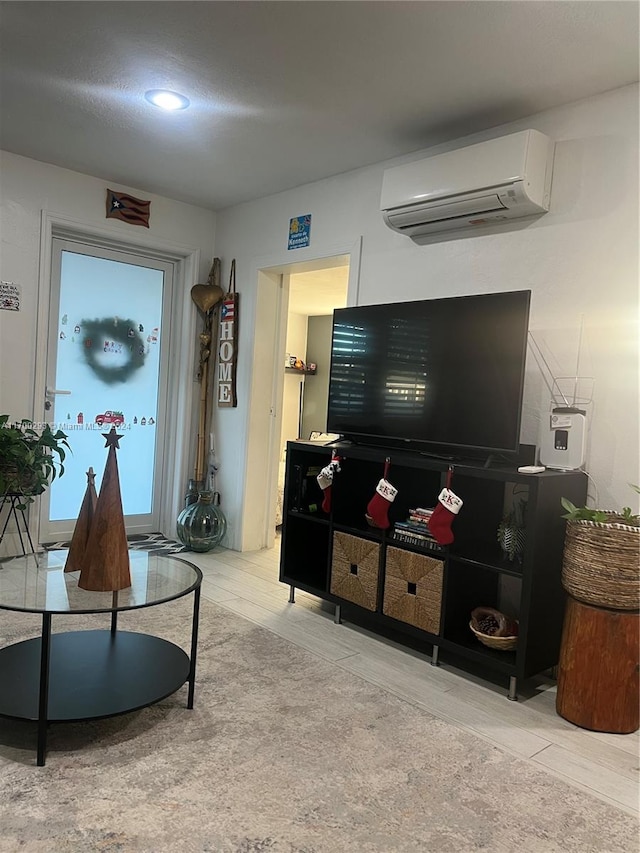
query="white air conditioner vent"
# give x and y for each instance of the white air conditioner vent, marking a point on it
(504, 178)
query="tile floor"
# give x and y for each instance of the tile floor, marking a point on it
(605, 765)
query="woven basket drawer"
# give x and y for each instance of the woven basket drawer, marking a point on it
(355, 568)
(413, 589)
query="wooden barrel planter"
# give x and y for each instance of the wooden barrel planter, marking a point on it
(598, 668)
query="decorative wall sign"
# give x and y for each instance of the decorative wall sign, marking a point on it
(135, 211)
(228, 348)
(108, 335)
(10, 294)
(299, 231)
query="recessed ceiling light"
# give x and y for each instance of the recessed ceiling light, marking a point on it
(166, 99)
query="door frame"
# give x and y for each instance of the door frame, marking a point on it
(264, 416)
(186, 261)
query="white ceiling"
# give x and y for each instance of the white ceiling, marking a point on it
(318, 291)
(284, 93)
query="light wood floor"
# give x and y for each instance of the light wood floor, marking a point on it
(605, 765)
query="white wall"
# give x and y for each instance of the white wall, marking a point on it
(316, 389)
(28, 187)
(580, 261)
(296, 345)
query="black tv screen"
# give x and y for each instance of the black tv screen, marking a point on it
(437, 373)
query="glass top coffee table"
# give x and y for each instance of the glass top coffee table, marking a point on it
(89, 674)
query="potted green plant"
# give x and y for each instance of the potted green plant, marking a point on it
(29, 459)
(585, 513)
(600, 562)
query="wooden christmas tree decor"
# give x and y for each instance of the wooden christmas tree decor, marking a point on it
(105, 566)
(78, 547)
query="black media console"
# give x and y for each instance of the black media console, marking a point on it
(423, 594)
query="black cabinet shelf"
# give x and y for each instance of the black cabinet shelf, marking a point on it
(308, 516)
(341, 559)
(487, 557)
(434, 550)
(364, 530)
(473, 650)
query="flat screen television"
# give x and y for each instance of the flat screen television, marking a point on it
(438, 374)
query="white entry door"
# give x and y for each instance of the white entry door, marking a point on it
(107, 362)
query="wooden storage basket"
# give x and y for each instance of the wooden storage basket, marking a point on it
(600, 563)
(355, 569)
(505, 644)
(413, 589)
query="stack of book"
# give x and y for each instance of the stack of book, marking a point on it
(415, 530)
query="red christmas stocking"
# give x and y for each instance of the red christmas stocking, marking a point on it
(378, 507)
(447, 508)
(325, 481)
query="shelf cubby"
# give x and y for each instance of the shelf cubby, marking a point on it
(306, 559)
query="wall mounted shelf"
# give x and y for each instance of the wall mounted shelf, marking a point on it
(305, 370)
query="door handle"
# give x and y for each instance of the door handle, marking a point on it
(49, 393)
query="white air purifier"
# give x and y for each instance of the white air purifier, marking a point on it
(563, 438)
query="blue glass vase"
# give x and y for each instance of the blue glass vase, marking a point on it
(202, 525)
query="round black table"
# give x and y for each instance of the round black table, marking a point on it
(86, 675)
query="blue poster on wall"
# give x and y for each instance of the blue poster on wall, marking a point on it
(299, 231)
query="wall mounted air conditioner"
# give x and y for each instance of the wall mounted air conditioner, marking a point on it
(487, 183)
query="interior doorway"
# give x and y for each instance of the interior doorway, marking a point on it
(264, 423)
(312, 297)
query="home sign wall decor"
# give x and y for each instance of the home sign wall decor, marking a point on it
(228, 346)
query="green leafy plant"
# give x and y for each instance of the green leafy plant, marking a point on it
(583, 513)
(29, 459)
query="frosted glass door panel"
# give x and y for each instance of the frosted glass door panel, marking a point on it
(106, 344)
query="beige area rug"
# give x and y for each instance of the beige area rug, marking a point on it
(283, 753)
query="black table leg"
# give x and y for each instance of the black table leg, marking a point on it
(13, 501)
(114, 613)
(26, 527)
(43, 700)
(194, 645)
